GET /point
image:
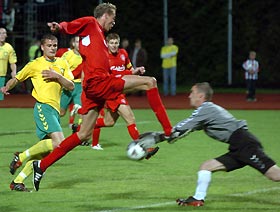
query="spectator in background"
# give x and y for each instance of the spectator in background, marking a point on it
(138, 54)
(168, 55)
(251, 67)
(34, 50)
(139, 57)
(125, 45)
(7, 55)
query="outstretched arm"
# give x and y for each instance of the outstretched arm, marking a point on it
(10, 85)
(54, 26)
(13, 67)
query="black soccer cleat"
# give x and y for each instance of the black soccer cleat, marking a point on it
(15, 164)
(18, 187)
(75, 128)
(151, 152)
(37, 175)
(190, 201)
(85, 143)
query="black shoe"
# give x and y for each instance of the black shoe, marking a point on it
(190, 202)
(18, 187)
(85, 143)
(37, 175)
(151, 152)
(15, 164)
(75, 128)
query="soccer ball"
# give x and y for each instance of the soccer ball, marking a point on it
(135, 151)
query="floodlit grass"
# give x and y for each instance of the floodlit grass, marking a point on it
(89, 180)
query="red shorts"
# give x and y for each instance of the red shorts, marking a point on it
(114, 104)
(98, 89)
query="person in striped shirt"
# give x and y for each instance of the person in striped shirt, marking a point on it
(251, 67)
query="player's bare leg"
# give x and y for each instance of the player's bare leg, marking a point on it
(67, 145)
(273, 173)
(149, 84)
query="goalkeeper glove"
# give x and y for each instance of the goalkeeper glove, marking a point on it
(176, 135)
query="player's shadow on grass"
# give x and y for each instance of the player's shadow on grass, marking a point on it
(17, 132)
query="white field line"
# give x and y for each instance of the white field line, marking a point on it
(137, 123)
(140, 207)
(264, 190)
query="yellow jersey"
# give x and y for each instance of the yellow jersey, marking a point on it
(74, 60)
(7, 55)
(45, 91)
(169, 56)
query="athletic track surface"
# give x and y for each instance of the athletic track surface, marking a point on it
(180, 101)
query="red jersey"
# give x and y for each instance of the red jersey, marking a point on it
(120, 63)
(93, 47)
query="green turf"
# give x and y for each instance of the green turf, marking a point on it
(88, 180)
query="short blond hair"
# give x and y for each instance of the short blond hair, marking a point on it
(206, 89)
(104, 8)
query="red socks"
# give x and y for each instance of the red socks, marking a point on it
(133, 131)
(64, 147)
(100, 123)
(159, 110)
(95, 136)
(71, 118)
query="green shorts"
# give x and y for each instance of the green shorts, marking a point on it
(71, 96)
(47, 120)
(2, 83)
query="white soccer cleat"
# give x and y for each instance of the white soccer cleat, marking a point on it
(97, 147)
(75, 109)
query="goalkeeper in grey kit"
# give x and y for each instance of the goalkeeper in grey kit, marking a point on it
(244, 148)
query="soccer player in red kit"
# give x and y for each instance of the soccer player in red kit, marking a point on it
(120, 65)
(98, 84)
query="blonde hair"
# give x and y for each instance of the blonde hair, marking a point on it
(104, 8)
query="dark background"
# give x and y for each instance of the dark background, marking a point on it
(199, 28)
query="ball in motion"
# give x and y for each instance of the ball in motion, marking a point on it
(135, 151)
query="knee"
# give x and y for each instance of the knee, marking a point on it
(212, 166)
(55, 143)
(62, 113)
(152, 82)
(84, 136)
(273, 173)
(109, 123)
(204, 166)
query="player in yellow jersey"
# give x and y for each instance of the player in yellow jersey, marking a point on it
(74, 60)
(168, 54)
(7, 55)
(48, 75)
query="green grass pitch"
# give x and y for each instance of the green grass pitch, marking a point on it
(107, 181)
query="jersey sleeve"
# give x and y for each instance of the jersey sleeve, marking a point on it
(194, 122)
(67, 72)
(76, 26)
(25, 72)
(12, 56)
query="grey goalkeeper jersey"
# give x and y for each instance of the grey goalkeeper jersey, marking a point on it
(217, 122)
